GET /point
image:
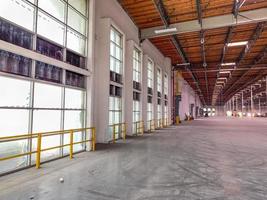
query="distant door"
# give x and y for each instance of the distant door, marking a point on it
(191, 109)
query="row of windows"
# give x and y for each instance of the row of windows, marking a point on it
(116, 68)
(19, 65)
(18, 36)
(48, 18)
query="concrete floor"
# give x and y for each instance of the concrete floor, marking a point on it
(215, 158)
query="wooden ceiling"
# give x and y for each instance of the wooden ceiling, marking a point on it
(251, 64)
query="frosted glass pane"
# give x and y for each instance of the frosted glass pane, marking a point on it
(79, 5)
(50, 28)
(46, 120)
(47, 96)
(112, 64)
(74, 98)
(112, 49)
(75, 42)
(14, 92)
(73, 120)
(18, 11)
(76, 21)
(53, 7)
(112, 35)
(12, 164)
(118, 67)
(13, 122)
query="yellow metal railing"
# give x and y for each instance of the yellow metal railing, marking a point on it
(40, 136)
(151, 125)
(166, 122)
(139, 127)
(160, 123)
(120, 129)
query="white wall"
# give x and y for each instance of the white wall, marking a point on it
(107, 13)
(188, 97)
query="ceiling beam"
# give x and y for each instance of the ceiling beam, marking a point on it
(259, 59)
(244, 86)
(165, 18)
(247, 48)
(244, 17)
(202, 43)
(217, 91)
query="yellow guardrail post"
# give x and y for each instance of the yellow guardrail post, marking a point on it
(124, 132)
(114, 132)
(71, 144)
(93, 142)
(38, 152)
(143, 127)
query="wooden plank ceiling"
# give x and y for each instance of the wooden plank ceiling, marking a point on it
(146, 15)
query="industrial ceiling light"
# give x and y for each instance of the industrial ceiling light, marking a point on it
(167, 30)
(234, 44)
(182, 64)
(228, 64)
(225, 72)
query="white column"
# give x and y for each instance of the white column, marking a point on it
(251, 100)
(242, 102)
(259, 105)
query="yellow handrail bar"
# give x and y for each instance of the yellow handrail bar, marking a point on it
(39, 137)
(151, 125)
(139, 127)
(122, 130)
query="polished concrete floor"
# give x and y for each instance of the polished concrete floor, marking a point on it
(209, 159)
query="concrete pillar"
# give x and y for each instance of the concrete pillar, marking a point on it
(251, 100)
(259, 105)
(242, 102)
(236, 105)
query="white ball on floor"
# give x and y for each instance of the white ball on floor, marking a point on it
(61, 180)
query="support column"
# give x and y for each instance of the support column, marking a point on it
(251, 100)
(242, 102)
(236, 104)
(259, 105)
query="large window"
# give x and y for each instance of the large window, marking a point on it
(166, 86)
(116, 51)
(137, 66)
(149, 113)
(159, 115)
(115, 89)
(25, 108)
(150, 74)
(136, 114)
(159, 81)
(115, 115)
